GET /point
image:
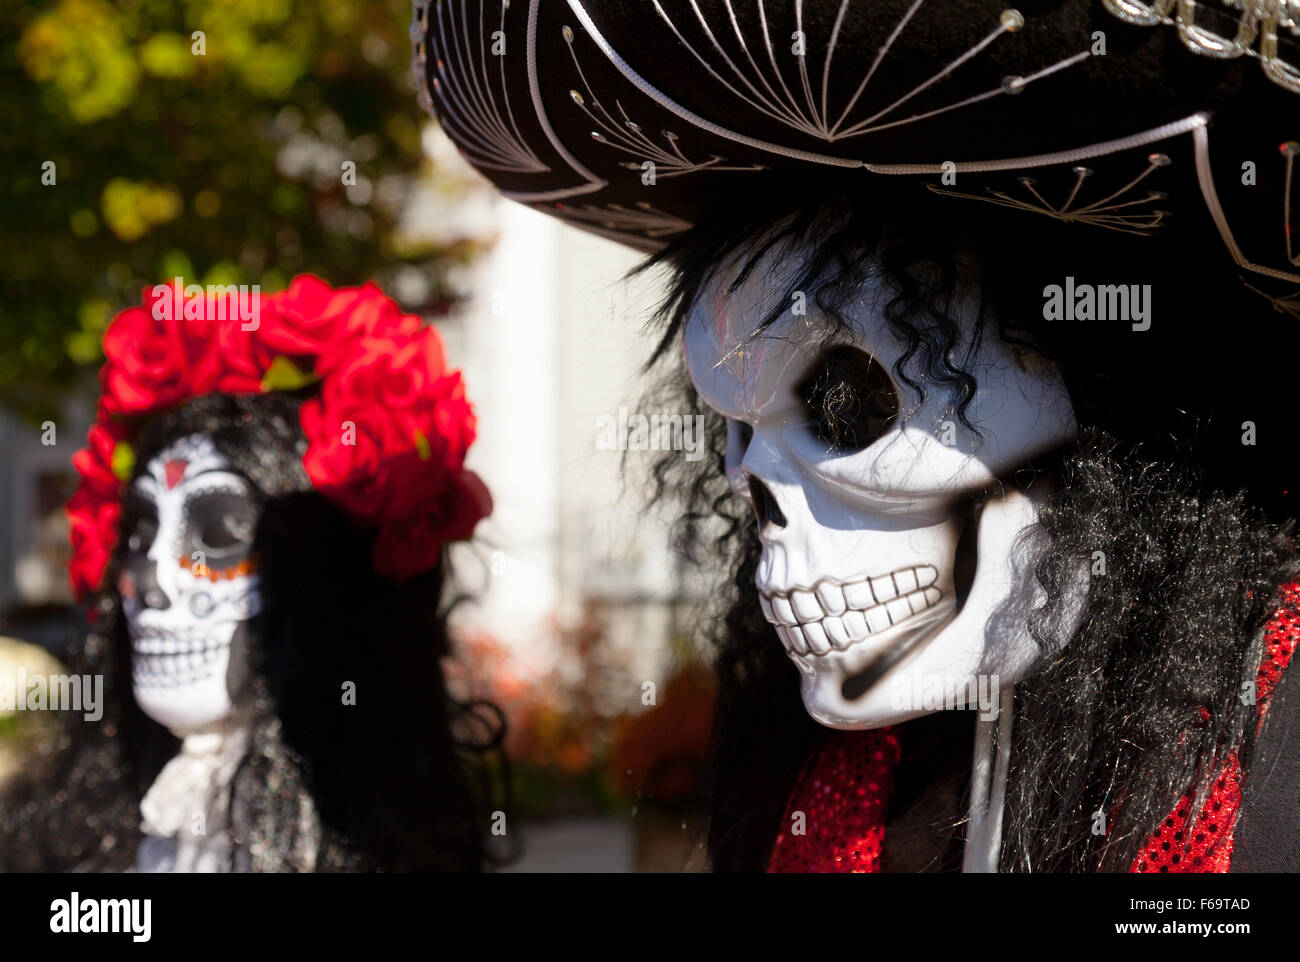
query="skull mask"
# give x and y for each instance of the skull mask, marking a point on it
(189, 584)
(860, 515)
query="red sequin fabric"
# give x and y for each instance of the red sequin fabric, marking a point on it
(835, 821)
(835, 818)
(1209, 848)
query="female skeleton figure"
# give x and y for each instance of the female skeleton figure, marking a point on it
(260, 527)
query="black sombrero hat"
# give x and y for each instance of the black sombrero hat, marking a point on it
(626, 117)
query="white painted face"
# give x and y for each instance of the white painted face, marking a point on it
(189, 584)
(860, 517)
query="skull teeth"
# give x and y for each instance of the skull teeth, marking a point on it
(835, 616)
(831, 598)
(806, 606)
(815, 635)
(174, 670)
(175, 643)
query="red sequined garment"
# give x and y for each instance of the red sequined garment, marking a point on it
(841, 796)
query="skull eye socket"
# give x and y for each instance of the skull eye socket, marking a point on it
(141, 525)
(849, 398)
(739, 434)
(219, 535)
(220, 524)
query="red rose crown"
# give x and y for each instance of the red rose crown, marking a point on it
(387, 433)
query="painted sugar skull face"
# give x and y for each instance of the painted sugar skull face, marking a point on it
(862, 489)
(189, 583)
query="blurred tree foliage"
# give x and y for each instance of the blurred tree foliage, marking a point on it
(216, 157)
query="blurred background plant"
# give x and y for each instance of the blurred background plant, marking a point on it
(586, 735)
(24, 668)
(206, 139)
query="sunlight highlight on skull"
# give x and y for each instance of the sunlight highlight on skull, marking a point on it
(189, 584)
(862, 490)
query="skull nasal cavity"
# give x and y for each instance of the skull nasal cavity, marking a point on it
(145, 575)
(765, 507)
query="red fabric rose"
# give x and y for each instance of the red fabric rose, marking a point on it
(148, 366)
(95, 462)
(388, 438)
(381, 456)
(404, 548)
(236, 361)
(389, 427)
(92, 528)
(351, 451)
(310, 317)
(94, 510)
(371, 331)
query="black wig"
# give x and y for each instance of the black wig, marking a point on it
(404, 779)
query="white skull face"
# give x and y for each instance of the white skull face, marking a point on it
(188, 584)
(860, 516)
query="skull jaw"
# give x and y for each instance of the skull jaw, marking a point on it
(182, 698)
(824, 678)
(185, 708)
(189, 670)
(951, 659)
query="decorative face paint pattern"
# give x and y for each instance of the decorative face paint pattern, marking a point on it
(188, 621)
(861, 488)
